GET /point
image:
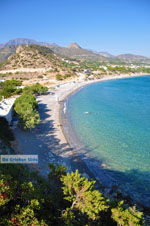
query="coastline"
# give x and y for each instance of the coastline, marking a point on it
(54, 143)
(79, 157)
(75, 89)
(58, 118)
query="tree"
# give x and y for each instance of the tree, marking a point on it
(25, 106)
(36, 89)
(56, 171)
(9, 88)
(6, 193)
(80, 192)
(26, 198)
(127, 216)
(26, 215)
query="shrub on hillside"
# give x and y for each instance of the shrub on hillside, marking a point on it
(67, 76)
(10, 88)
(59, 77)
(26, 107)
(37, 89)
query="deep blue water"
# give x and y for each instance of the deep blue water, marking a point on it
(116, 129)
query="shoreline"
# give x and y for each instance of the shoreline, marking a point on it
(91, 168)
(105, 78)
(53, 143)
(58, 121)
(81, 85)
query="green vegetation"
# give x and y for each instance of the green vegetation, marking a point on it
(63, 199)
(80, 192)
(36, 89)
(9, 88)
(144, 69)
(26, 107)
(121, 68)
(59, 77)
(62, 77)
(40, 76)
(129, 216)
(66, 76)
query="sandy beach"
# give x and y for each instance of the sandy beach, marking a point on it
(64, 91)
(50, 139)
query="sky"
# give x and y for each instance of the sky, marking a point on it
(114, 26)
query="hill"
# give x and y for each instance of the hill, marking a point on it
(132, 58)
(73, 51)
(32, 56)
(9, 48)
(36, 62)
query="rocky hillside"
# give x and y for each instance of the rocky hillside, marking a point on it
(9, 48)
(37, 63)
(32, 56)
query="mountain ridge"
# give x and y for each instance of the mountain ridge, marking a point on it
(74, 51)
(25, 41)
(129, 55)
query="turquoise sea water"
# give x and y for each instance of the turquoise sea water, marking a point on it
(116, 128)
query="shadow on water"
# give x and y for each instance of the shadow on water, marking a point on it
(43, 142)
(133, 183)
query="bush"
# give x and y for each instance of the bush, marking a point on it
(127, 216)
(25, 106)
(67, 76)
(40, 76)
(9, 88)
(59, 77)
(12, 82)
(36, 89)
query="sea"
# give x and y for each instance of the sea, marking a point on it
(111, 120)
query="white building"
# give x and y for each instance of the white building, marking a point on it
(6, 108)
(87, 71)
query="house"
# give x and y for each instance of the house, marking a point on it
(6, 108)
(87, 71)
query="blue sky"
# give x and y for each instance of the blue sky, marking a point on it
(115, 26)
